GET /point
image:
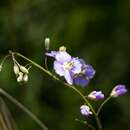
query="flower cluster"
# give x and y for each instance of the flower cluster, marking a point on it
(76, 71)
(73, 69)
(117, 91)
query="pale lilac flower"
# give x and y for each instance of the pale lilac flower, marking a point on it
(118, 90)
(74, 70)
(65, 65)
(85, 110)
(96, 95)
(67, 68)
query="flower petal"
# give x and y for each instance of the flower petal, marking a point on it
(77, 66)
(51, 54)
(68, 77)
(89, 71)
(58, 68)
(80, 80)
(63, 56)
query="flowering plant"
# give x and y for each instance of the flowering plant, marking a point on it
(74, 71)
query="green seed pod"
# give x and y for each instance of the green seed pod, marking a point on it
(47, 43)
(23, 69)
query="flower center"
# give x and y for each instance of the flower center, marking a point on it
(68, 65)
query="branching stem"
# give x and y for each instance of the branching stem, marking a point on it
(70, 86)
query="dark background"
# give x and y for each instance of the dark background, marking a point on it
(95, 30)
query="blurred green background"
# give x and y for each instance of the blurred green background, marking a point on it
(95, 30)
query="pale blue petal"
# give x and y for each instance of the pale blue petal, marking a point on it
(58, 67)
(51, 54)
(81, 81)
(77, 66)
(63, 56)
(68, 77)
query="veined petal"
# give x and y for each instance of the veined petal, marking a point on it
(58, 67)
(63, 56)
(68, 77)
(77, 66)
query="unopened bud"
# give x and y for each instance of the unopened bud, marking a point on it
(96, 95)
(20, 77)
(23, 69)
(0, 68)
(47, 43)
(62, 48)
(16, 69)
(25, 78)
(85, 110)
(118, 90)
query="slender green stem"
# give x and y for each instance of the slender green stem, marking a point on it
(4, 59)
(46, 66)
(70, 86)
(86, 123)
(87, 102)
(22, 107)
(37, 65)
(105, 101)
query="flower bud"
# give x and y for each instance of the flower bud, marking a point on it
(20, 77)
(16, 69)
(96, 95)
(62, 48)
(85, 110)
(23, 69)
(47, 43)
(25, 78)
(118, 90)
(0, 68)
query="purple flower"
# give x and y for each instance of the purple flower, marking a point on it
(118, 90)
(85, 75)
(85, 110)
(74, 70)
(96, 95)
(65, 65)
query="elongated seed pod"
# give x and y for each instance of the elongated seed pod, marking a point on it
(23, 69)
(16, 69)
(20, 77)
(25, 78)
